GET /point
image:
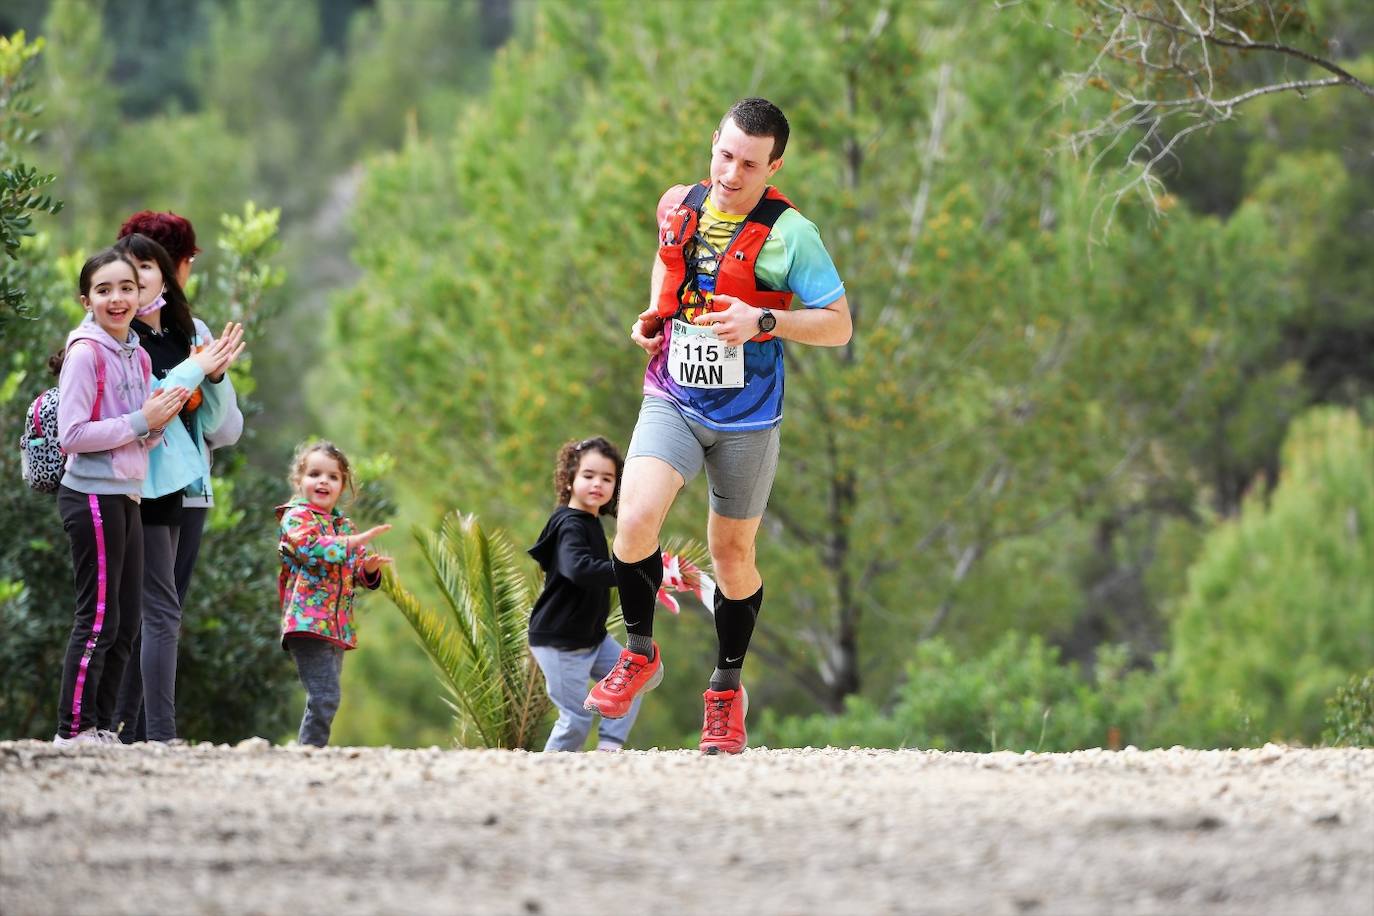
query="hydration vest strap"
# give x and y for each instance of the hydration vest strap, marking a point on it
(696, 196)
(736, 269)
(768, 210)
(681, 226)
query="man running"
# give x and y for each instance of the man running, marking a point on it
(733, 253)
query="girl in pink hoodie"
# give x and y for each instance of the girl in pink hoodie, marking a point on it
(107, 421)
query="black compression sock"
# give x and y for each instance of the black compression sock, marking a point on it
(725, 679)
(735, 626)
(638, 583)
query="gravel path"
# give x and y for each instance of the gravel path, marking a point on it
(259, 829)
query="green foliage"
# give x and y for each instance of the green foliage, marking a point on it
(1350, 713)
(421, 61)
(203, 169)
(264, 70)
(1018, 696)
(20, 183)
(35, 569)
(248, 277)
(477, 638)
(81, 112)
(1280, 603)
(36, 564)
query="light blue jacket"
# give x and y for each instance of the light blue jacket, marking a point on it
(182, 461)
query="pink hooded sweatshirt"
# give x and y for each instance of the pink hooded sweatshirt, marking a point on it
(108, 455)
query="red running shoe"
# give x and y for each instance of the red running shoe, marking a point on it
(722, 729)
(631, 676)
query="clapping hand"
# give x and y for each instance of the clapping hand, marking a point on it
(163, 404)
(221, 353)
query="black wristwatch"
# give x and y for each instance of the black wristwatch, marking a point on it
(767, 321)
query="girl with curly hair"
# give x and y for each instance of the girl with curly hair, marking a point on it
(568, 636)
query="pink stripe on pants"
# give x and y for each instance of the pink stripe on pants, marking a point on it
(102, 574)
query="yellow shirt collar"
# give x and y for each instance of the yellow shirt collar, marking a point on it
(712, 212)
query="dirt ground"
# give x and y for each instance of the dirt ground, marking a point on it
(261, 829)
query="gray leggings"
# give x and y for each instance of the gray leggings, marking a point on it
(130, 709)
(161, 630)
(320, 665)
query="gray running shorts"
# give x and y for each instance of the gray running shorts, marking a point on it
(739, 466)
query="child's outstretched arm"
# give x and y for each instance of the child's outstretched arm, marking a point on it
(305, 538)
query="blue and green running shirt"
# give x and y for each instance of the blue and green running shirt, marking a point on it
(794, 260)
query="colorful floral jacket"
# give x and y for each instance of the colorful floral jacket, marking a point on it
(319, 574)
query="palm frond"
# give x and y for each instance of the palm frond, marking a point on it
(477, 638)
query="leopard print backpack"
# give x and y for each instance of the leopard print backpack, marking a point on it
(40, 453)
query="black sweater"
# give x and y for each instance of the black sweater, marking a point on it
(578, 577)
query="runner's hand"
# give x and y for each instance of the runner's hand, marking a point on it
(650, 343)
(735, 324)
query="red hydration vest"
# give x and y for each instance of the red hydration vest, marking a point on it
(735, 268)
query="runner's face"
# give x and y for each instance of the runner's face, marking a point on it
(113, 298)
(739, 168)
(322, 481)
(594, 484)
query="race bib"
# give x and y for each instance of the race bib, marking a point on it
(697, 358)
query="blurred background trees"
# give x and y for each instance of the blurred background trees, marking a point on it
(1034, 463)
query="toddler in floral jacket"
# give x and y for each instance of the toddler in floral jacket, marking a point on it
(322, 559)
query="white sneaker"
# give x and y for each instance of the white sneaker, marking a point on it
(108, 737)
(89, 736)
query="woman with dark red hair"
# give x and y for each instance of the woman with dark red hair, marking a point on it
(177, 237)
(172, 232)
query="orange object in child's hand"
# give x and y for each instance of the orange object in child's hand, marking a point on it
(651, 326)
(193, 402)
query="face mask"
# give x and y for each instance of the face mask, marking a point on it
(151, 307)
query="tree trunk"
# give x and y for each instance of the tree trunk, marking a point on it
(840, 666)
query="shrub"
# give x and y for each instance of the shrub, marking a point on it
(476, 636)
(1280, 604)
(1018, 696)
(1350, 713)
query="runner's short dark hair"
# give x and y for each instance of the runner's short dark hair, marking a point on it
(760, 118)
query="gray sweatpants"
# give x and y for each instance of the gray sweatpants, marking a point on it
(320, 665)
(566, 673)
